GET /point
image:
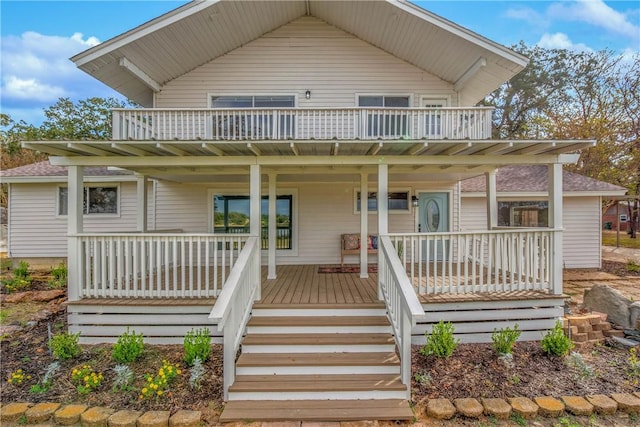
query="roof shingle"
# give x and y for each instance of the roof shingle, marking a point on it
(44, 169)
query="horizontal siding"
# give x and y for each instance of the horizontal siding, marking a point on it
(581, 237)
(325, 210)
(306, 54)
(36, 231)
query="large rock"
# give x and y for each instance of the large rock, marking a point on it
(604, 299)
(634, 314)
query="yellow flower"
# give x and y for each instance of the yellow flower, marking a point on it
(159, 392)
(10, 381)
(179, 372)
(144, 390)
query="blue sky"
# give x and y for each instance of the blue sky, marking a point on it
(38, 37)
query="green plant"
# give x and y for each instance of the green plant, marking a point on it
(197, 343)
(555, 342)
(197, 373)
(21, 278)
(633, 266)
(123, 378)
(504, 339)
(86, 379)
(518, 419)
(577, 361)
(47, 380)
(65, 345)
(22, 419)
(440, 342)
(422, 378)
(156, 385)
(3, 316)
(128, 348)
(633, 371)
(59, 276)
(22, 270)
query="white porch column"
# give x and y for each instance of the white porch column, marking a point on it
(364, 226)
(254, 201)
(383, 209)
(142, 205)
(271, 273)
(555, 221)
(492, 200)
(74, 226)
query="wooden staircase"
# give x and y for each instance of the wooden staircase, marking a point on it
(318, 363)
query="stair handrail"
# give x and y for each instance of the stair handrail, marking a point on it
(233, 307)
(403, 306)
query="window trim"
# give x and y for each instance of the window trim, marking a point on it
(285, 191)
(384, 94)
(407, 211)
(425, 98)
(92, 185)
(211, 95)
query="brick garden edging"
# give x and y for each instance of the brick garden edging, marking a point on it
(440, 409)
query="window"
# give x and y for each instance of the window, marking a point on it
(623, 218)
(97, 200)
(384, 123)
(259, 125)
(398, 201)
(523, 214)
(231, 215)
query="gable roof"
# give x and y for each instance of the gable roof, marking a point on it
(53, 173)
(533, 179)
(137, 63)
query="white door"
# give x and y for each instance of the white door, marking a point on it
(433, 119)
(433, 217)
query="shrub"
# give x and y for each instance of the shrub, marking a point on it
(156, 385)
(634, 365)
(441, 342)
(555, 342)
(197, 343)
(22, 270)
(47, 381)
(123, 378)
(65, 346)
(504, 339)
(128, 347)
(21, 278)
(59, 276)
(17, 377)
(197, 374)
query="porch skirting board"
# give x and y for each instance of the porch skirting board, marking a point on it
(159, 323)
(474, 321)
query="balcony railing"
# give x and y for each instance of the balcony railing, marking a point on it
(302, 124)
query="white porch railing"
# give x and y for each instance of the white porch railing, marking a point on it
(156, 265)
(303, 124)
(477, 262)
(401, 301)
(233, 306)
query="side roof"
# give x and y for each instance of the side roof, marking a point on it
(533, 179)
(139, 62)
(46, 172)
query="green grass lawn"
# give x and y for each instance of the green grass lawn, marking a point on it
(609, 239)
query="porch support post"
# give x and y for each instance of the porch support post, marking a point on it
(364, 227)
(271, 273)
(75, 210)
(555, 222)
(255, 229)
(254, 201)
(142, 212)
(383, 208)
(492, 200)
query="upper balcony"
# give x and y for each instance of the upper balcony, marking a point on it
(281, 124)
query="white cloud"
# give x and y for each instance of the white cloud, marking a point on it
(561, 41)
(36, 71)
(597, 13)
(30, 89)
(529, 15)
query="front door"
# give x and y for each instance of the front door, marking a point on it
(433, 214)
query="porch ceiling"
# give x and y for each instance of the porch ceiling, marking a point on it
(142, 60)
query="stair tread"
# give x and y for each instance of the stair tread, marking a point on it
(319, 383)
(262, 306)
(318, 359)
(318, 321)
(317, 410)
(318, 339)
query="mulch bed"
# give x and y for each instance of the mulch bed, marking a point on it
(475, 370)
(618, 268)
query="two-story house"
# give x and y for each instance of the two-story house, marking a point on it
(280, 136)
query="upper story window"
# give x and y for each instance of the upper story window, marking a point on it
(97, 200)
(523, 214)
(385, 124)
(248, 101)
